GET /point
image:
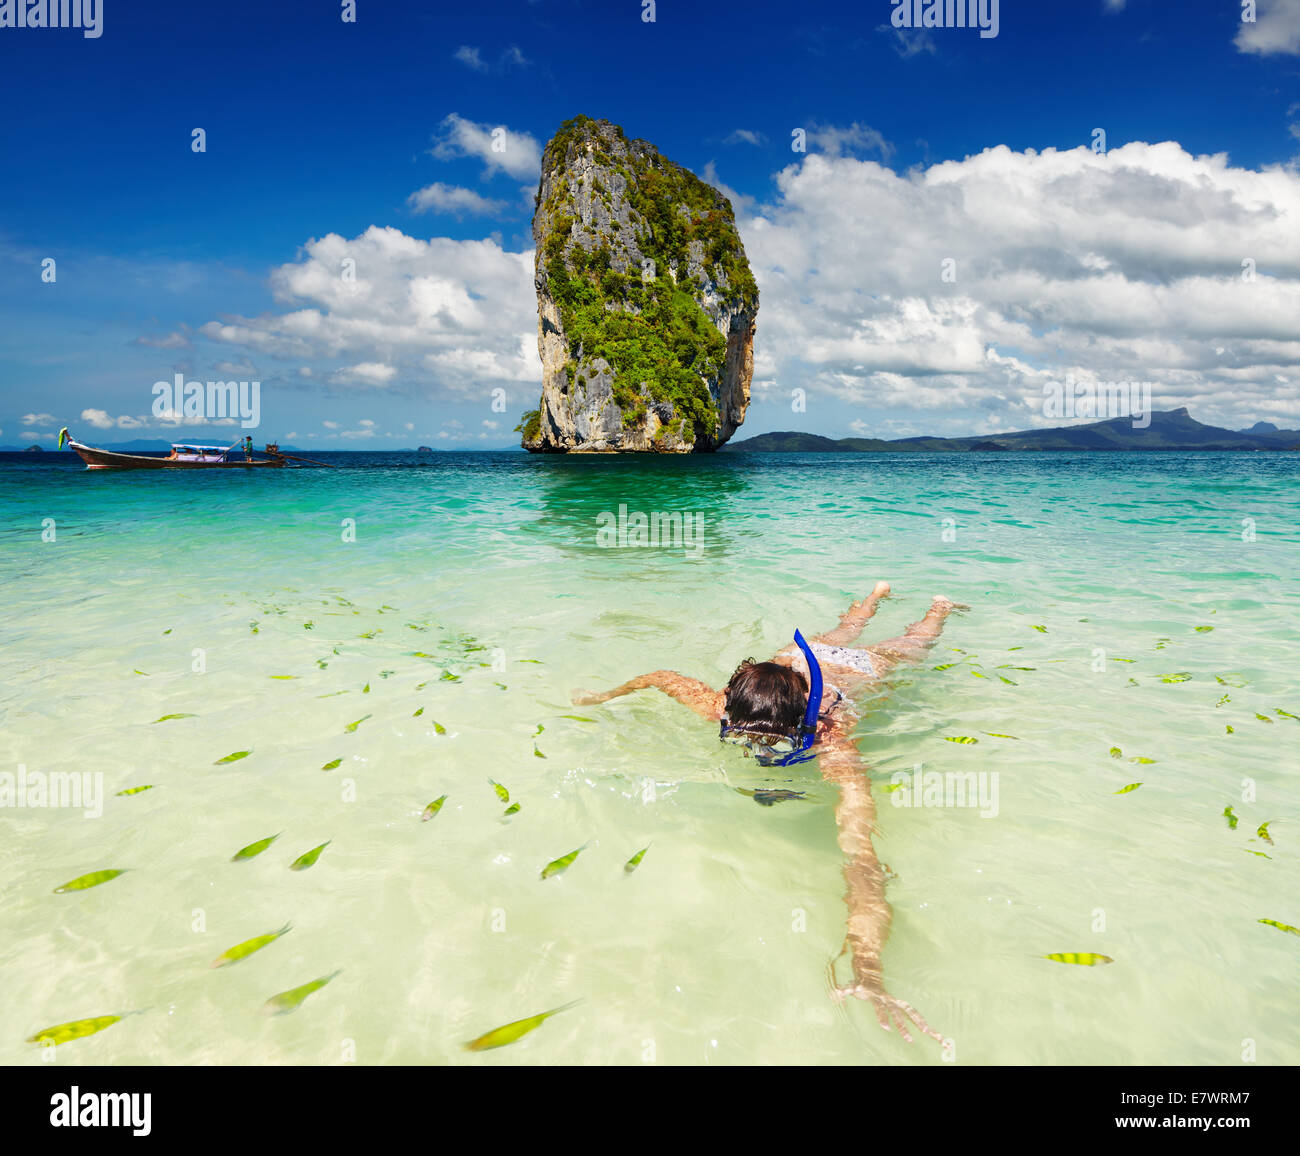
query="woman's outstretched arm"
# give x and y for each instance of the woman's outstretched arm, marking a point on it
(691, 692)
(869, 912)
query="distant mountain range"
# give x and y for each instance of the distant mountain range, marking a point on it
(1173, 429)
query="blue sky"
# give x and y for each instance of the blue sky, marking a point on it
(322, 133)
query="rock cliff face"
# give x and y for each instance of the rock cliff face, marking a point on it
(645, 301)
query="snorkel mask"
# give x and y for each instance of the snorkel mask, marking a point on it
(769, 755)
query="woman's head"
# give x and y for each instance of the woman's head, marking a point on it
(765, 698)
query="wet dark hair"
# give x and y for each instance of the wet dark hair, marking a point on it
(765, 698)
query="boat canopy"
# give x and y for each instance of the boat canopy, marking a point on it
(189, 448)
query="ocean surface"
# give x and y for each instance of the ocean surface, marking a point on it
(1134, 619)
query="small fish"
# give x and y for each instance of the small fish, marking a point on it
(1141, 759)
(583, 718)
(1177, 676)
(169, 717)
(1116, 753)
(537, 754)
(447, 676)
(366, 689)
(635, 862)
(288, 1001)
(139, 672)
(1261, 854)
(1286, 713)
(438, 728)
(283, 677)
(245, 949)
(62, 1033)
(233, 758)
(308, 858)
(1009, 666)
(995, 735)
(1281, 926)
(1125, 790)
(136, 790)
(253, 627)
(892, 787)
(502, 793)
(1263, 832)
(332, 694)
(418, 713)
(513, 809)
(1228, 729)
(254, 848)
(1227, 698)
(977, 674)
(555, 866)
(352, 726)
(332, 764)
(509, 1033)
(947, 665)
(1231, 679)
(1263, 718)
(433, 808)
(93, 879)
(1086, 958)
(1203, 629)
(309, 626)
(1008, 681)
(168, 630)
(965, 739)
(539, 730)
(1040, 629)
(538, 661)
(1232, 819)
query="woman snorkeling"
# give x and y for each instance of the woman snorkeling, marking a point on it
(796, 707)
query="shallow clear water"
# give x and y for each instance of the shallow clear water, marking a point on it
(476, 590)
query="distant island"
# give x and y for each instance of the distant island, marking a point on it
(645, 300)
(1173, 429)
(424, 449)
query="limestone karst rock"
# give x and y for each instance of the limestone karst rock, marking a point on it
(646, 304)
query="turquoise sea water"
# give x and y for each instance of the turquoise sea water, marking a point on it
(476, 589)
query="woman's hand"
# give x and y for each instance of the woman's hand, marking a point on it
(887, 1006)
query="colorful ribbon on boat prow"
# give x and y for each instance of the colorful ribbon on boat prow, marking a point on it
(63, 436)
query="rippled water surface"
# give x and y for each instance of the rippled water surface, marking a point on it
(1147, 603)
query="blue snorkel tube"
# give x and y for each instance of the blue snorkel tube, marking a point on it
(807, 728)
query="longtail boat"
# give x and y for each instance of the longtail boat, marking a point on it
(184, 456)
